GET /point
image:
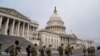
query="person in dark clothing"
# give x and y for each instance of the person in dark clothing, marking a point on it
(28, 50)
(0, 48)
(84, 51)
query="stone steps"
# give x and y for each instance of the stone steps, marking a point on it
(7, 40)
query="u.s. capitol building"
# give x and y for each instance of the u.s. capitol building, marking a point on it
(55, 32)
(13, 23)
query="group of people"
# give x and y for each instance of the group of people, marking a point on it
(31, 50)
(89, 50)
(67, 50)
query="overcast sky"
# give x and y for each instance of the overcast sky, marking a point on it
(82, 17)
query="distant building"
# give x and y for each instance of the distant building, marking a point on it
(84, 43)
(88, 43)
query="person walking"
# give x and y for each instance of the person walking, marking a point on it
(69, 50)
(84, 51)
(92, 51)
(48, 50)
(42, 51)
(11, 50)
(28, 50)
(60, 50)
(18, 47)
(0, 48)
(66, 51)
(34, 50)
(89, 51)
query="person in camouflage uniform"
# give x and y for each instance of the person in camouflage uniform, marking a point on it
(92, 51)
(69, 50)
(66, 50)
(12, 50)
(84, 51)
(89, 51)
(42, 51)
(34, 50)
(60, 50)
(0, 48)
(48, 50)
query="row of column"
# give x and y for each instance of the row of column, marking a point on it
(57, 29)
(15, 27)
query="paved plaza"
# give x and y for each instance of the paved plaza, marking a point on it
(75, 53)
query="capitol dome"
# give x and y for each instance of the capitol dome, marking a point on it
(55, 24)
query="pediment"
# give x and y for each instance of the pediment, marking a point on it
(13, 12)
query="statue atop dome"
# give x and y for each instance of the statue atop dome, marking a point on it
(55, 10)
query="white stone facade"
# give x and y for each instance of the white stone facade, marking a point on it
(84, 43)
(15, 24)
(48, 38)
(88, 43)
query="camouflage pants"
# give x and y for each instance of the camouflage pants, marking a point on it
(0, 52)
(34, 54)
(61, 53)
(49, 54)
(42, 54)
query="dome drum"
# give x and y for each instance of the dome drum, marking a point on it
(56, 27)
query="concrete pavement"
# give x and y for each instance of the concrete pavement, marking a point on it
(55, 53)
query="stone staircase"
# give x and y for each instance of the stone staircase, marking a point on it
(6, 40)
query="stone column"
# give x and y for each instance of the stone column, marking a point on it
(12, 28)
(18, 29)
(0, 23)
(54, 28)
(28, 30)
(33, 29)
(23, 29)
(6, 26)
